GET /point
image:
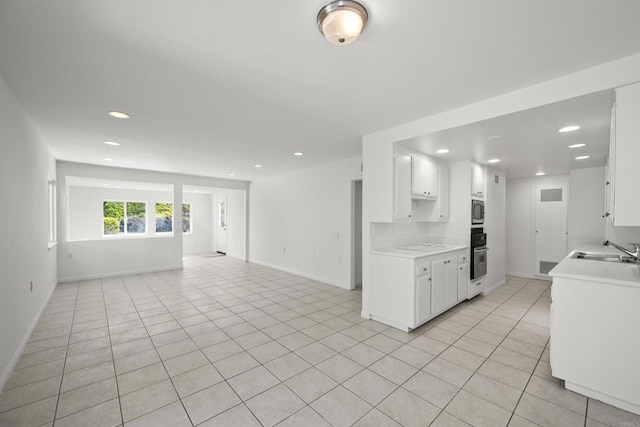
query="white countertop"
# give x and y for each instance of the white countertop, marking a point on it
(618, 273)
(403, 253)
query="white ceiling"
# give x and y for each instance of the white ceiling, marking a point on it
(528, 142)
(214, 87)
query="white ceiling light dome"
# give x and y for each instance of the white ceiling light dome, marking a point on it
(342, 21)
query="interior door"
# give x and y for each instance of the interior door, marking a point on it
(221, 224)
(550, 227)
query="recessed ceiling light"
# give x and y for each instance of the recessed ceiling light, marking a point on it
(112, 143)
(442, 151)
(108, 159)
(493, 161)
(231, 174)
(106, 185)
(197, 191)
(582, 157)
(577, 145)
(119, 114)
(257, 166)
(569, 128)
(298, 153)
(541, 173)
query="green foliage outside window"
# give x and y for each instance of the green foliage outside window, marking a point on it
(164, 217)
(124, 217)
(186, 218)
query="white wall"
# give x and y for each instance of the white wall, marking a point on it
(301, 222)
(586, 207)
(495, 227)
(85, 208)
(112, 257)
(520, 250)
(25, 168)
(201, 237)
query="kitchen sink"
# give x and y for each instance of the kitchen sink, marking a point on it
(604, 257)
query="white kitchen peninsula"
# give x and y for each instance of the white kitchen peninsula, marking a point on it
(595, 328)
(410, 287)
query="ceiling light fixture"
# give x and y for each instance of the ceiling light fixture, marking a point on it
(298, 153)
(582, 157)
(257, 166)
(231, 174)
(108, 159)
(442, 151)
(119, 115)
(577, 145)
(569, 128)
(540, 173)
(493, 161)
(342, 21)
(112, 143)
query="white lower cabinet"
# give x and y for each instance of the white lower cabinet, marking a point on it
(406, 292)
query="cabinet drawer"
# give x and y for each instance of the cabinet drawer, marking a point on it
(423, 268)
(475, 288)
(463, 259)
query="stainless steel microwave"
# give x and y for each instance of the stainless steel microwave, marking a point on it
(477, 212)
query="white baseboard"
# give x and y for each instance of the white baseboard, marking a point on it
(494, 287)
(117, 273)
(302, 274)
(16, 356)
(519, 274)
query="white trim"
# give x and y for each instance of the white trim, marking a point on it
(301, 274)
(603, 397)
(494, 287)
(403, 328)
(519, 274)
(16, 356)
(117, 273)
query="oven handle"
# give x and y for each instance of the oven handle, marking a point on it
(483, 249)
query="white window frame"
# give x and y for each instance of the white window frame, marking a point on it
(52, 213)
(126, 234)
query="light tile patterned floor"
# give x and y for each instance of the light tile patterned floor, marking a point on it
(228, 343)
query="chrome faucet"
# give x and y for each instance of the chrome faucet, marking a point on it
(634, 254)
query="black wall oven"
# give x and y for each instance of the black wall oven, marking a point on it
(477, 212)
(478, 253)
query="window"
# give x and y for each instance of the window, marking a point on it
(53, 223)
(186, 218)
(124, 218)
(164, 217)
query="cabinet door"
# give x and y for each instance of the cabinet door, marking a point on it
(423, 299)
(438, 286)
(432, 180)
(610, 170)
(402, 187)
(451, 265)
(443, 197)
(478, 178)
(463, 281)
(418, 176)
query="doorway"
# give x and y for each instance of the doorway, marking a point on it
(356, 233)
(550, 225)
(221, 224)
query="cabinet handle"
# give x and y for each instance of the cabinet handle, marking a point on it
(606, 214)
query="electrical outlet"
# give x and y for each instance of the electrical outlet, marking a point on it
(70, 255)
(339, 259)
(31, 286)
(337, 235)
(284, 249)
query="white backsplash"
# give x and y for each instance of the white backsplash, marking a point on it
(386, 235)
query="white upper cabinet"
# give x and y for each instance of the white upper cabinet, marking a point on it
(625, 157)
(478, 180)
(402, 187)
(424, 178)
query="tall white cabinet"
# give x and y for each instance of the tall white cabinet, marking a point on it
(623, 197)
